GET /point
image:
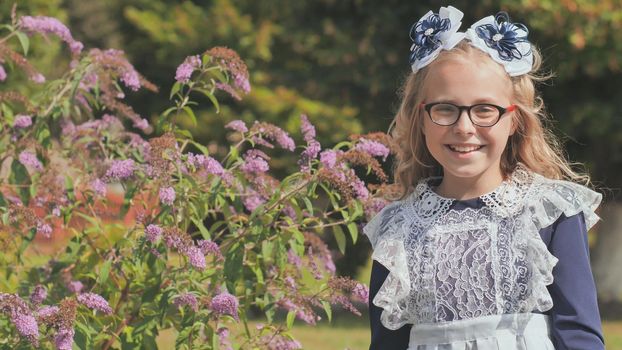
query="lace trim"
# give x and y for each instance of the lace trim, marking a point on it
(414, 238)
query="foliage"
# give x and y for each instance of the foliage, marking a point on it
(154, 236)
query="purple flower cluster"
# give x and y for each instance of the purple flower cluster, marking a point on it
(49, 25)
(229, 90)
(210, 247)
(212, 166)
(184, 71)
(360, 190)
(75, 286)
(22, 121)
(131, 79)
(21, 317)
(167, 195)
(279, 342)
(30, 160)
(38, 294)
(195, 257)
(242, 82)
(95, 302)
(252, 200)
(153, 233)
(26, 326)
(374, 148)
(254, 162)
(38, 78)
(223, 337)
(328, 158)
(374, 205)
(47, 311)
(293, 258)
(115, 61)
(64, 338)
(274, 133)
(308, 130)
(187, 299)
(237, 125)
(225, 304)
(99, 187)
(142, 124)
(44, 229)
(361, 292)
(120, 169)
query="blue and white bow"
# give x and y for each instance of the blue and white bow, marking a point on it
(504, 41)
(433, 33)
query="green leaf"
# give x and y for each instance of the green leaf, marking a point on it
(214, 101)
(176, 87)
(201, 148)
(104, 271)
(70, 188)
(199, 224)
(24, 41)
(340, 237)
(190, 113)
(291, 316)
(354, 231)
(19, 176)
(328, 309)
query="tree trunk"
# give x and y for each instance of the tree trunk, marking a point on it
(607, 260)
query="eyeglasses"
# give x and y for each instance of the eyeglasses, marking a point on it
(482, 114)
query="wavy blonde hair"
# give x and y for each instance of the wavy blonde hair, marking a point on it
(531, 144)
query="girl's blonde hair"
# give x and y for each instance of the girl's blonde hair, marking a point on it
(531, 144)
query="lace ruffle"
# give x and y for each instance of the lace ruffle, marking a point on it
(549, 199)
(393, 294)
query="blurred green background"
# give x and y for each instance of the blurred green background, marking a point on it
(341, 62)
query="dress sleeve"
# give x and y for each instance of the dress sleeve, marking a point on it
(575, 317)
(381, 337)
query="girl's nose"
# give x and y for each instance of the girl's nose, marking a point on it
(464, 124)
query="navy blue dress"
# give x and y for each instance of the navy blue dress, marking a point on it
(575, 319)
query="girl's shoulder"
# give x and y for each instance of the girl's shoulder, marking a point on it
(548, 199)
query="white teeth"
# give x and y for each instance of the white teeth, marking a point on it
(464, 149)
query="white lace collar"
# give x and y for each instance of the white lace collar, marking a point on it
(504, 200)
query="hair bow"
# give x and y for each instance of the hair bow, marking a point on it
(433, 33)
(504, 41)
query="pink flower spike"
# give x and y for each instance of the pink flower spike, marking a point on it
(225, 304)
(95, 302)
(237, 125)
(50, 25)
(2, 73)
(167, 195)
(374, 148)
(29, 159)
(184, 70)
(22, 121)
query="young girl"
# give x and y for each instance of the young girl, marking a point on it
(493, 253)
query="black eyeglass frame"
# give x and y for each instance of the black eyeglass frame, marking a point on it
(502, 111)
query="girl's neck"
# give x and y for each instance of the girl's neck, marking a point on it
(468, 187)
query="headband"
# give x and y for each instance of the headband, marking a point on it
(504, 41)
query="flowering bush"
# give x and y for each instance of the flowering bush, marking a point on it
(195, 243)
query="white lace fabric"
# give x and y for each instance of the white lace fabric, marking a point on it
(446, 264)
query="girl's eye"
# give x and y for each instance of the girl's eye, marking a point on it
(485, 111)
(444, 109)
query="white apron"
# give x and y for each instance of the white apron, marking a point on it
(522, 331)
